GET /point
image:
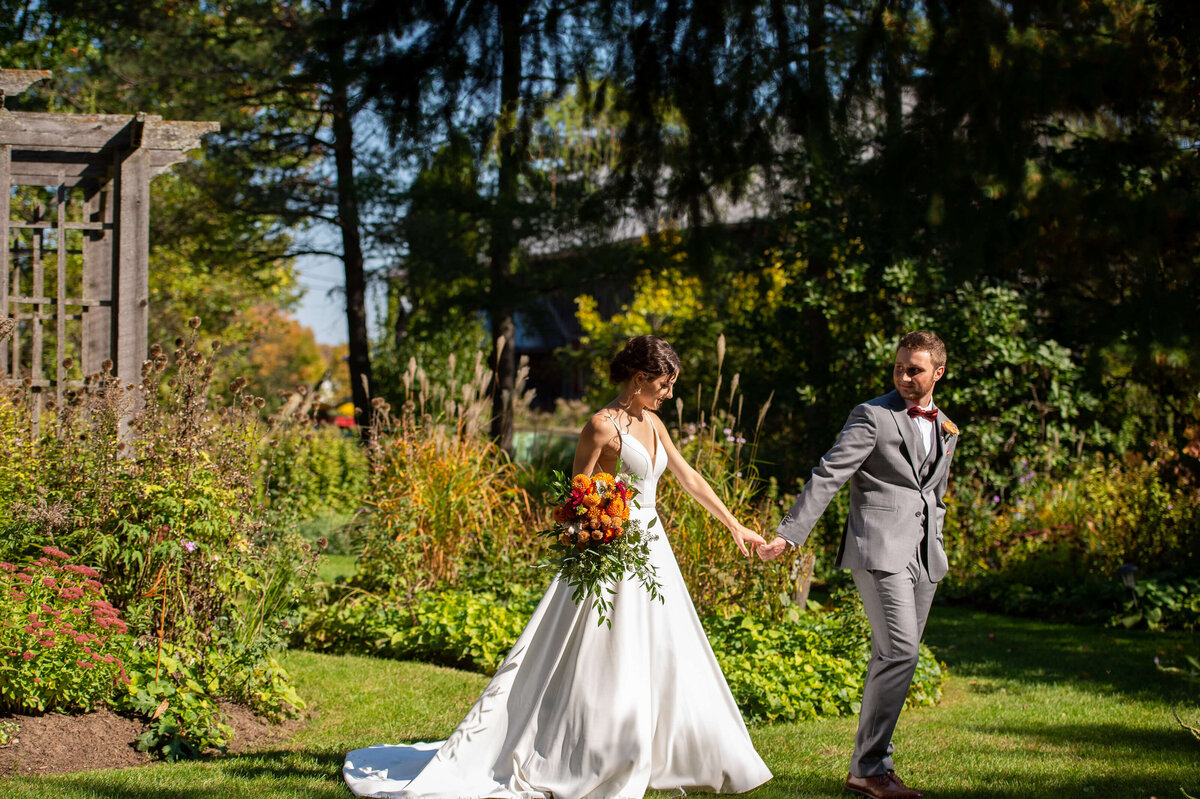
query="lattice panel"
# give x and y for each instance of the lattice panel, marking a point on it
(54, 237)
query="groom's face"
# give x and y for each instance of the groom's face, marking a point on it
(914, 374)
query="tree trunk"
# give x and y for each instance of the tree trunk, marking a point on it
(824, 165)
(503, 244)
(348, 222)
(820, 128)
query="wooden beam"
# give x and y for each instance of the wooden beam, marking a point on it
(31, 167)
(15, 81)
(96, 132)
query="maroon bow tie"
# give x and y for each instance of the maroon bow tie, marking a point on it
(930, 414)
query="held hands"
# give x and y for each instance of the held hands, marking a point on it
(746, 539)
(772, 550)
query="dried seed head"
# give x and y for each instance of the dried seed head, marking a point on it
(195, 357)
(194, 322)
(68, 362)
(27, 382)
(179, 341)
(216, 345)
(377, 402)
(155, 350)
(259, 402)
(106, 365)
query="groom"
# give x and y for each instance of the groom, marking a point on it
(895, 452)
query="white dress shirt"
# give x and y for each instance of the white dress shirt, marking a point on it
(924, 427)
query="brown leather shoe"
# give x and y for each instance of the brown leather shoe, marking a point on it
(879, 786)
(900, 784)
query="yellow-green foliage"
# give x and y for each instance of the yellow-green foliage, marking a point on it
(1110, 511)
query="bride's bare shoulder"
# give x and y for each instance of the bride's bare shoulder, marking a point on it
(599, 426)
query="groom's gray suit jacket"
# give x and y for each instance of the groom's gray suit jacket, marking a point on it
(896, 492)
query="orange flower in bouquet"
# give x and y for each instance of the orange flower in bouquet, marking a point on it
(595, 542)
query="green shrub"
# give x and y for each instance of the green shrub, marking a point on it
(1054, 547)
(60, 641)
(313, 471)
(809, 665)
(466, 629)
(158, 488)
(179, 690)
(1163, 602)
(179, 701)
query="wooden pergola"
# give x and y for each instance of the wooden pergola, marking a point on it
(75, 222)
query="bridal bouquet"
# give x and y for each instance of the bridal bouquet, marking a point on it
(595, 543)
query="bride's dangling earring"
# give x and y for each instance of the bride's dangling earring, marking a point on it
(626, 404)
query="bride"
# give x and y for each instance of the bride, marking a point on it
(584, 710)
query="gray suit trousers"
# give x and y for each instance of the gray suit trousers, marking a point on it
(897, 606)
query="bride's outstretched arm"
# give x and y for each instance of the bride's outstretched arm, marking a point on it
(694, 483)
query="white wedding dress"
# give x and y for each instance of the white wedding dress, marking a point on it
(580, 710)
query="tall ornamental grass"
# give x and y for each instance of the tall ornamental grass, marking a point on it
(445, 502)
(715, 444)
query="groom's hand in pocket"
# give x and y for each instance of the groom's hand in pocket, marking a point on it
(774, 549)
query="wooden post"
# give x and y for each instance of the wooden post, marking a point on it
(132, 296)
(60, 296)
(5, 211)
(98, 249)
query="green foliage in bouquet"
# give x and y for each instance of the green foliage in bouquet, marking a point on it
(594, 542)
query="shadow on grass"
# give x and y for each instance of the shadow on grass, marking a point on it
(1106, 741)
(286, 772)
(1103, 660)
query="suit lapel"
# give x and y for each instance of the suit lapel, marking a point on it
(941, 443)
(905, 426)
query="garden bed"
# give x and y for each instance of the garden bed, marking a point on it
(57, 743)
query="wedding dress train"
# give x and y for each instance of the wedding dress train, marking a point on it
(580, 710)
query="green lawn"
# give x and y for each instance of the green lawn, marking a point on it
(1030, 710)
(331, 567)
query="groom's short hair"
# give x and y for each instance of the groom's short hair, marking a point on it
(929, 342)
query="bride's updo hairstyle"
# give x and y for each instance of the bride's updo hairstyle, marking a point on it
(647, 354)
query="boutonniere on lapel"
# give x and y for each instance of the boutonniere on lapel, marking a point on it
(949, 429)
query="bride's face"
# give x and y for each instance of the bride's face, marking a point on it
(655, 391)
